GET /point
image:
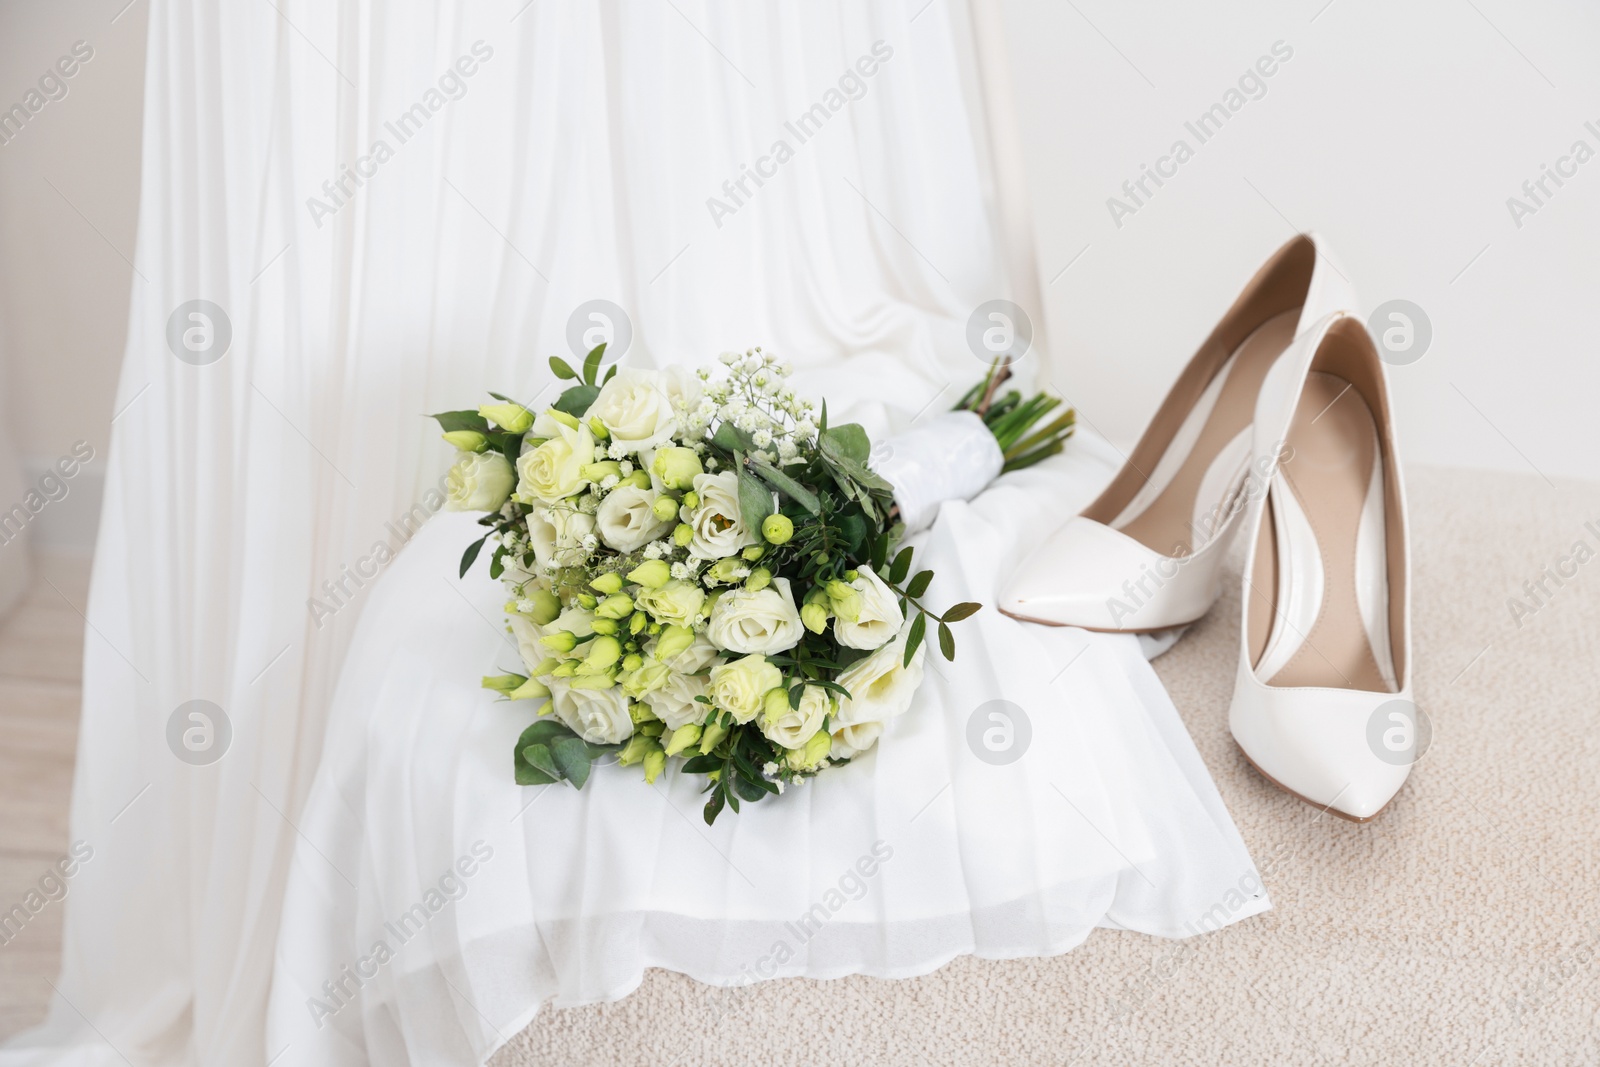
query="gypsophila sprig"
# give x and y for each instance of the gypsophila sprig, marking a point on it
(698, 566)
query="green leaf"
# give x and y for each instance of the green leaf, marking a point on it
(562, 369)
(849, 442)
(919, 626)
(880, 551)
(732, 439)
(714, 805)
(901, 567)
(962, 611)
(610, 374)
(471, 554)
(755, 499)
(572, 759)
(787, 486)
(795, 693)
(577, 400)
(919, 584)
(701, 764)
(451, 421)
(538, 757)
(947, 641)
(591, 362)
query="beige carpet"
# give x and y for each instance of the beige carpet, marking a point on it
(1462, 927)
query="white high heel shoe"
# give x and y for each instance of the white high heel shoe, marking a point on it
(1147, 554)
(1323, 691)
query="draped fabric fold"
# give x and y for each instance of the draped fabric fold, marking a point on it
(354, 213)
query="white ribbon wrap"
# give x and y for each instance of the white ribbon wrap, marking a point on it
(951, 456)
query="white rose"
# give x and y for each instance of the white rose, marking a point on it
(880, 617)
(479, 481)
(675, 704)
(880, 688)
(554, 470)
(851, 740)
(557, 535)
(599, 716)
(625, 520)
(795, 726)
(527, 634)
(719, 529)
(761, 621)
(635, 406)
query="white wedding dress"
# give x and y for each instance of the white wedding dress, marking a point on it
(567, 152)
(889, 866)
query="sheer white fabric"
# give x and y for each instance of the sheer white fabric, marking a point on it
(574, 162)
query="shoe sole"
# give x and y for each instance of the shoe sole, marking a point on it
(1098, 629)
(1307, 800)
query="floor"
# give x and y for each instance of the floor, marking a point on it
(1461, 927)
(41, 659)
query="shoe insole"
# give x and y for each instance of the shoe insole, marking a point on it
(1322, 553)
(1186, 499)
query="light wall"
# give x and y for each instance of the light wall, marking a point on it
(1397, 130)
(69, 193)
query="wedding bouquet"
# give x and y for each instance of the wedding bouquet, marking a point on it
(699, 566)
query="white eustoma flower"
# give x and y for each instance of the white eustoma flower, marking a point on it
(674, 703)
(718, 525)
(880, 618)
(740, 686)
(599, 716)
(527, 634)
(852, 739)
(700, 654)
(762, 621)
(479, 481)
(557, 535)
(636, 407)
(880, 687)
(795, 726)
(625, 520)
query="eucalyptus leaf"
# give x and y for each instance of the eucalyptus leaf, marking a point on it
(732, 439)
(849, 441)
(755, 499)
(572, 759)
(538, 757)
(947, 641)
(787, 486)
(962, 611)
